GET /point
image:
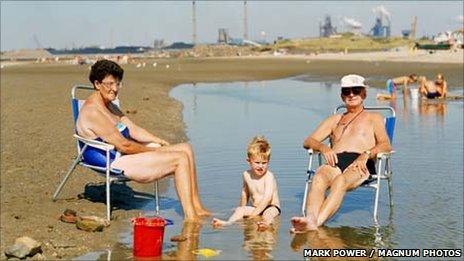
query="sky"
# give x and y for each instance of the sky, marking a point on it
(72, 24)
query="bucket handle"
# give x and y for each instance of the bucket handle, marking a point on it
(169, 222)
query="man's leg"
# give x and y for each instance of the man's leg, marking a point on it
(350, 179)
(321, 181)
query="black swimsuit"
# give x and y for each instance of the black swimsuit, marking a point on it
(270, 206)
(433, 95)
(346, 158)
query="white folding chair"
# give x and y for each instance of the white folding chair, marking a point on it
(383, 162)
(111, 175)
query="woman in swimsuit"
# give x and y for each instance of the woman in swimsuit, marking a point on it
(141, 156)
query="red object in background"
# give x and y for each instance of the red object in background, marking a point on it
(148, 236)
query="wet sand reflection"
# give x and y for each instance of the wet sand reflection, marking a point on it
(260, 244)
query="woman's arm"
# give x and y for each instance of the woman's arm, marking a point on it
(102, 127)
(140, 134)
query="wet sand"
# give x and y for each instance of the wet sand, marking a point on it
(37, 145)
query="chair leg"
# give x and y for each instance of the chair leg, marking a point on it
(377, 190)
(376, 204)
(157, 208)
(390, 193)
(310, 173)
(305, 198)
(66, 177)
(108, 187)
(108, 200)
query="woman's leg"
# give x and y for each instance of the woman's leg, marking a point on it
(149, 166)
(187, 148)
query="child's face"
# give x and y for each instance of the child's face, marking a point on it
(259, 165)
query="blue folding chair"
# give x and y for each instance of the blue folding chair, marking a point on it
(383, 162)
(111, 175)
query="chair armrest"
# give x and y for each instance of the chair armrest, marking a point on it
(311, 151)
(385, 155)
(94, 143)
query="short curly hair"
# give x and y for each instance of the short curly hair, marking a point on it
(103, 68)
(259, 147)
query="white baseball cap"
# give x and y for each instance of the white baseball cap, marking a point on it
(353, 80)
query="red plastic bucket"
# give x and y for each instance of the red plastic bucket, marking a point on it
(148, 236)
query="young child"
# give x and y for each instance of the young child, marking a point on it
(259, 186)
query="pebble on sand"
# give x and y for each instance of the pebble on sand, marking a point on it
(23, 247)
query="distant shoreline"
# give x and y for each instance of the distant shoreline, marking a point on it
(403, 56)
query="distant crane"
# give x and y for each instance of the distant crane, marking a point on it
(36, 41)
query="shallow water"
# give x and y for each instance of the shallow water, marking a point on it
(221, 119)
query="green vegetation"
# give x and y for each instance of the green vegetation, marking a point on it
(346, 41)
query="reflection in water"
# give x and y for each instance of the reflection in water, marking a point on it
(194, 103)
(410, 106)
(433, 108)
(344, 237)
(260, 243)
(190, 231)
(246, 101)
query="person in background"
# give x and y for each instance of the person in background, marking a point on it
(433, 89)
(393, 83)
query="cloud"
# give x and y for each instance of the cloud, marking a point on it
(351, 22)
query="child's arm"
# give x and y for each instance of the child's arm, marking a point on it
(244, 196)
(269, 189)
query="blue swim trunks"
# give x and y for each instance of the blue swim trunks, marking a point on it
(391, 86)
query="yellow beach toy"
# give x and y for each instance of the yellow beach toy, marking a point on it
(206, 252)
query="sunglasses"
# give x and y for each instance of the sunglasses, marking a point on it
(354, 90)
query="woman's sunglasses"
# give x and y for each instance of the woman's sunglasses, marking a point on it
(354, 90)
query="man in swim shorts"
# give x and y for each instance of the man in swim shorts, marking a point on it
(433, 89)
(356, 137)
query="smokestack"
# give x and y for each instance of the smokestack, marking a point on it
(194, 24)
(245, 21)
(412, 34)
